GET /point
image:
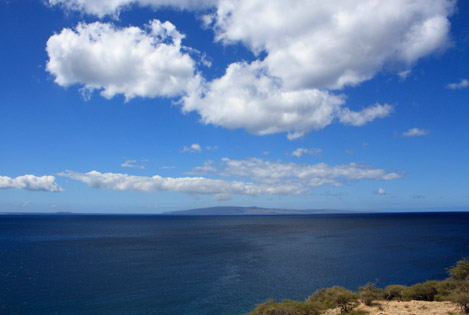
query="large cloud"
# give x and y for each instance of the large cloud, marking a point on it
(247, 96)
(330, 44)
(189, 185)
(30, 182)
(130, 61)
(306, 50)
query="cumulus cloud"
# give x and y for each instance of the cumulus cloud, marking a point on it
(132, 163)
(307, 51)
(30, 182)
(147, 62)
(113, 7)
(248, 97)
(464, 83)
(331, 44)
(195, 147)
(300, 151)
(312, 47)
(415, 132)
(190, 185)
(306, 175)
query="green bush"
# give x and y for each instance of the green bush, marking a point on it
(460, 272)
(455, 289)
(461, 298)
(445, 288)
(394, 291)
(340, 297)
(422, 291)
(370, 293)
(286, 307)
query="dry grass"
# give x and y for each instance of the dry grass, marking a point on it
(406, 308)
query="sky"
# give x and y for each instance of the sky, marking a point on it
(146, 106)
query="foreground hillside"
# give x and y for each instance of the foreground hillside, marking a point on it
(404, 308)
(450, 296)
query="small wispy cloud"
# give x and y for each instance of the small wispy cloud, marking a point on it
(404, 74)
(167, 167)
(301, 151)
(195, 147)
(463, 83)
(381, 191)
(133, 164)
(415, 132)
(222, 197)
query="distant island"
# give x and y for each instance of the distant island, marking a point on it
(233, 210)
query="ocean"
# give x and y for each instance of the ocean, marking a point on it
(144, 264)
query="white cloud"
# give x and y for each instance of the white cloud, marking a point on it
(222, 197)
(195, 147)
(464, 83)
(312, 46)
(189, 185)
(307, 175)
(30, 182)
(364, 116)
(404, 74)
(101, 8)
(415, 132)
(309, 49)
(331, 44)
(242, 177)
(300, 151)
(132, 163)
(381, 191)
(248, 97)
(131, 61)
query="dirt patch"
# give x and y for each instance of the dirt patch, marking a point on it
(407, 308)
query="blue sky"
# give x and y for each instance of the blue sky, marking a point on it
(145, 106)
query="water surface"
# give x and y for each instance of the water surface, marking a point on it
(98, 264)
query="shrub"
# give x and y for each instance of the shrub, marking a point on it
(445, 288)
(340, 297)
(460, 272)
(370, 293)
(394, 291)
(286, 307)
(422, 291)
(461, 298)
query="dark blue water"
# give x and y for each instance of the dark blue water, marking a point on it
(74, 264)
